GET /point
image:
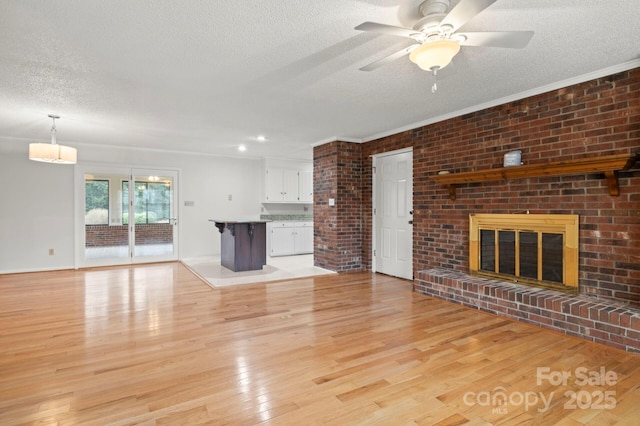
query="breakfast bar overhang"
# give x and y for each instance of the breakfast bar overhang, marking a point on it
(243, 244)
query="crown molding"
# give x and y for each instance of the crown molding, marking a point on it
(625, 66)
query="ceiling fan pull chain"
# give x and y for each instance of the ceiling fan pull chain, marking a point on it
(434, 86)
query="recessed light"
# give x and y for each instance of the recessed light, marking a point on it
(261, 138)
(242, 148)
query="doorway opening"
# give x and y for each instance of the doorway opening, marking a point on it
(125, 216)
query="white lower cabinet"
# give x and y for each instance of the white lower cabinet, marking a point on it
(304, 237)
(287, 238)
(281, 239)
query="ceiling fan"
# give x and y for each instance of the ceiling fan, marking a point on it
(436, 36)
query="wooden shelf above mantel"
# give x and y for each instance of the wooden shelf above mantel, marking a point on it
(609, 165)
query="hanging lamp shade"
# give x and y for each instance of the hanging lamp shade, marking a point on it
(52, 152)
(435, 55)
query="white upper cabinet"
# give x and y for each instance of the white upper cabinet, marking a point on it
(288, 182)
(306, 186)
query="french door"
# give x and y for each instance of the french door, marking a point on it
(392, 214)
(125, 215)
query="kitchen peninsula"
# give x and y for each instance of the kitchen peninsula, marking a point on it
(243, 244)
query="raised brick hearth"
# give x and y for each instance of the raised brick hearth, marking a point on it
(602, 321)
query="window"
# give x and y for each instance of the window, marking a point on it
(96, 202)
(539, 250)
(152, 202)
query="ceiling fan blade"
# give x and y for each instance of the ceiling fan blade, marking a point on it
(464, 11)
(508, 39)
(387, 29)
(380, 62)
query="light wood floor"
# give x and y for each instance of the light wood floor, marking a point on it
(152, 344)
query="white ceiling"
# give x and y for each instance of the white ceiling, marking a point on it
(205, 76)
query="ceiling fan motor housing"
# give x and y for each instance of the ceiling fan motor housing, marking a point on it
(434, 12)
(430, 7)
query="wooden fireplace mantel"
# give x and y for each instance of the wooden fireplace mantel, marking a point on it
(609, 165)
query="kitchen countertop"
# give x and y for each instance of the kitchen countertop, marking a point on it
(285, 217)
(232, 221)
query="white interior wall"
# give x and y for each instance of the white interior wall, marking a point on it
(38, 199)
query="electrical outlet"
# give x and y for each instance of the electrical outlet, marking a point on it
(230, 197)
(52, 252)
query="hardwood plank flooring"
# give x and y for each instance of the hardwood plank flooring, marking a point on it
(154, 345)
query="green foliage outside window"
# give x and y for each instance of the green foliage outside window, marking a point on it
(152, 202)
(96, 202)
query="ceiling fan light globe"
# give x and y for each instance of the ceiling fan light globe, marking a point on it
(435, 55)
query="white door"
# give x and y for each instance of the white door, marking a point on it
(392, 214)
(155, 228)
(125, 215)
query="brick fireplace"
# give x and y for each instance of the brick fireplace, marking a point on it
(539, 250)
(600, 117)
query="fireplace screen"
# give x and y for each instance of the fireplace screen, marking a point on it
(518, 253)
(538, 249)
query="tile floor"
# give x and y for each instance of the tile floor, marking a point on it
(277, 268)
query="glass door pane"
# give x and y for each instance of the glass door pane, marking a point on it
(155, 223)
(105, 237)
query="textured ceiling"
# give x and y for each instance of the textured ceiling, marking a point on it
(205, 76)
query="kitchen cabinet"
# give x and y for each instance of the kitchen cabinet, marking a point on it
(281, 239)
(281, 186)
(290, 237)
(288, 182)
(305, 187)
(304, 237)
(243, 244)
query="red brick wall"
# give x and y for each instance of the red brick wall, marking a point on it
(598, 117)
(106, 235)
(338, 230)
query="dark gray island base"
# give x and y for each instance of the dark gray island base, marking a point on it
(244, 244)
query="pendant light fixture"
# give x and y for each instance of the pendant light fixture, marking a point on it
(52, 152)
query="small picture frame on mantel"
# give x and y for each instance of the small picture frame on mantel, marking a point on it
(513, 158)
